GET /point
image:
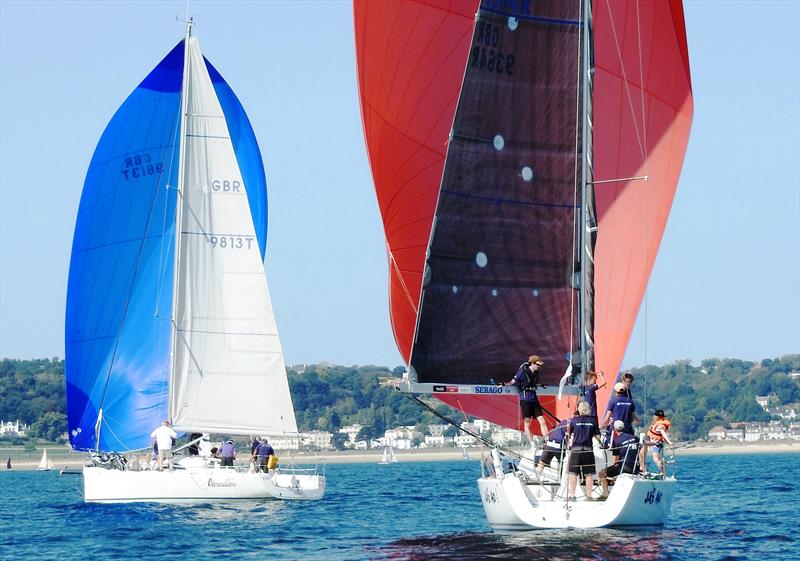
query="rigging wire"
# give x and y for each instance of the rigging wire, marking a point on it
(575, 231)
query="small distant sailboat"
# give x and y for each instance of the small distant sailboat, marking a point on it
(8, 464)
(45, 464)
(388, 456)
(464, 453)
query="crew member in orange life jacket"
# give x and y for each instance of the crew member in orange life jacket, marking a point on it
(656, 435)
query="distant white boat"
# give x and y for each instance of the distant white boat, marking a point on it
(45, 464)
(388, 456)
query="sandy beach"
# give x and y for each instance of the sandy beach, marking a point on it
(30, 461)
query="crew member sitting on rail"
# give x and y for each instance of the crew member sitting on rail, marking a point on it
(625, 446)
(554, 443)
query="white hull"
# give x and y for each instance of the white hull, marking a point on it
(511, 504)
(197, 484)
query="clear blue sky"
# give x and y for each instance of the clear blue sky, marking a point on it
(726, 282)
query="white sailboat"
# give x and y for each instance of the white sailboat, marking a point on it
(168, 310)
(388, 456)
(540, 148)
(45, 464)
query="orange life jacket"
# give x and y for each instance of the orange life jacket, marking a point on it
(653, 432)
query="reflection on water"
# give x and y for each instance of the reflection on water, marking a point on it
(553, 545)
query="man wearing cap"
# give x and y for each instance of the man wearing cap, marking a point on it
(620, 408)
(656, 436)
(625, 447)
(527, 378)
(163, 436)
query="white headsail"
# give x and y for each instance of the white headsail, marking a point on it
(229, 374)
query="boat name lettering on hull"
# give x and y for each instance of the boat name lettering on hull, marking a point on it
(226, 483)
(652, 497)
(140, 165)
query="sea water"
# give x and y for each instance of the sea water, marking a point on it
(726, 507)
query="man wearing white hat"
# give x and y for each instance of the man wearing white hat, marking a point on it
(620, 408)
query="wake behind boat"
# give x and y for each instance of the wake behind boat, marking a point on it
(168, 310)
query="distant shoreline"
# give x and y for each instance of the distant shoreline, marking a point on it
(425, 455)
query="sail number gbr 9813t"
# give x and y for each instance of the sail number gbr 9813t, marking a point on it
(486, 53)
(231, 242)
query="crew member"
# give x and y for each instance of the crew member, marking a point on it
(581, 430)
(656, 436)
(163, 436)
(527, 378)
(263, 452)
(625, 446)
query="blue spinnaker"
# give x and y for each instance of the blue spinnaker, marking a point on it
(119, 296)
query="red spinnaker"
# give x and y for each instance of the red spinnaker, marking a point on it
(411, 60)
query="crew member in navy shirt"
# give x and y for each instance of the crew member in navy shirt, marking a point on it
(620, 408)
(582, 429)
(590, 389)
(553, 444)
(625, 447)
(264, 451)
(227, 452)
(527, 378)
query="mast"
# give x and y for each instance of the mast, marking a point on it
(587, 223)
(179, 210)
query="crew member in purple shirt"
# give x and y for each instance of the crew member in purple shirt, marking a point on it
(227, 453)
(582, 429)
(590, 389)
(264, 451)
(553, 444)
(620, 408)
(625, 446)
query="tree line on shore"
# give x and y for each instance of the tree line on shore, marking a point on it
(328, 397)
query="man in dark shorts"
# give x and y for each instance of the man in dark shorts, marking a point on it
(582, 430)
(624, 446)
(527, 378)
(554, 443)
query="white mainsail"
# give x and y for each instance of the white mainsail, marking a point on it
(229, 374)
(45, 464)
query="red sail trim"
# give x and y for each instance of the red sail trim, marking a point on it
(411, 58)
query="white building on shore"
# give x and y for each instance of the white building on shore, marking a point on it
(13, 429)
